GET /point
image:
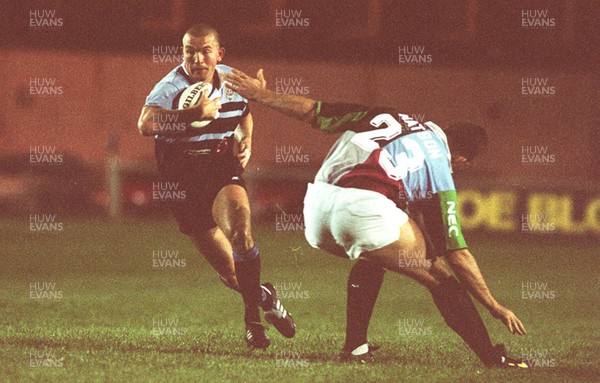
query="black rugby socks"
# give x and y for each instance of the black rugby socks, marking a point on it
(364, 283)
(462, 316)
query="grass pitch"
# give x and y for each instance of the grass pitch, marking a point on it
(88, 303)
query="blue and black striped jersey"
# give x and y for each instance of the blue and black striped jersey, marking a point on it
(204, 140)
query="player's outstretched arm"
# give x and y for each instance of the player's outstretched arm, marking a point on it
(151, 122)
(301, 108)
(466, 269)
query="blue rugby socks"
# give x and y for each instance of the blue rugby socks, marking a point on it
(247, 271)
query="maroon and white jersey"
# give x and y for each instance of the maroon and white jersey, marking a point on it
(390, 153)
(384, 151)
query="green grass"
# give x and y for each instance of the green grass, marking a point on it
(101, 329)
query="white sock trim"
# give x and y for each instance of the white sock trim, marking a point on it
(361, 349)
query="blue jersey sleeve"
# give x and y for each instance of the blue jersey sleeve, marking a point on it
(429, 185)
(163, 95)
(425, 160)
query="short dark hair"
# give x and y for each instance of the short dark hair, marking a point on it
(466, 139)
(201, 30)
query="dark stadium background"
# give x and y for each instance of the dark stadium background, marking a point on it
(78, 216)
(103, 57)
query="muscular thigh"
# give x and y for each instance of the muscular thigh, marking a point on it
(407, 256)
(406, 253)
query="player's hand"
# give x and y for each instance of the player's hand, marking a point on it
(245, 150)
(509, 319)
(208, 109)
(245, 85)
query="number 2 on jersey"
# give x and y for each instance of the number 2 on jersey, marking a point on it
(404, 164)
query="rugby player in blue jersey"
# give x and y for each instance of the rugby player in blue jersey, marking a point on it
(208, 166)
(383, 166)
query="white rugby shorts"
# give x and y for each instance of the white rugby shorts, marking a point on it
(357, 220)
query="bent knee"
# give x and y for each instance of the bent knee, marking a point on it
(205, 236)
(241, 239)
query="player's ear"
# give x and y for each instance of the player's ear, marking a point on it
(221, 54)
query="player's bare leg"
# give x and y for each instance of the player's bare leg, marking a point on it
(364, 283)
(409, 246)
(216, 249)
(231, 211)
(407, 256)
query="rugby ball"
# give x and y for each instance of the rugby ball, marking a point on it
(191, 95)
